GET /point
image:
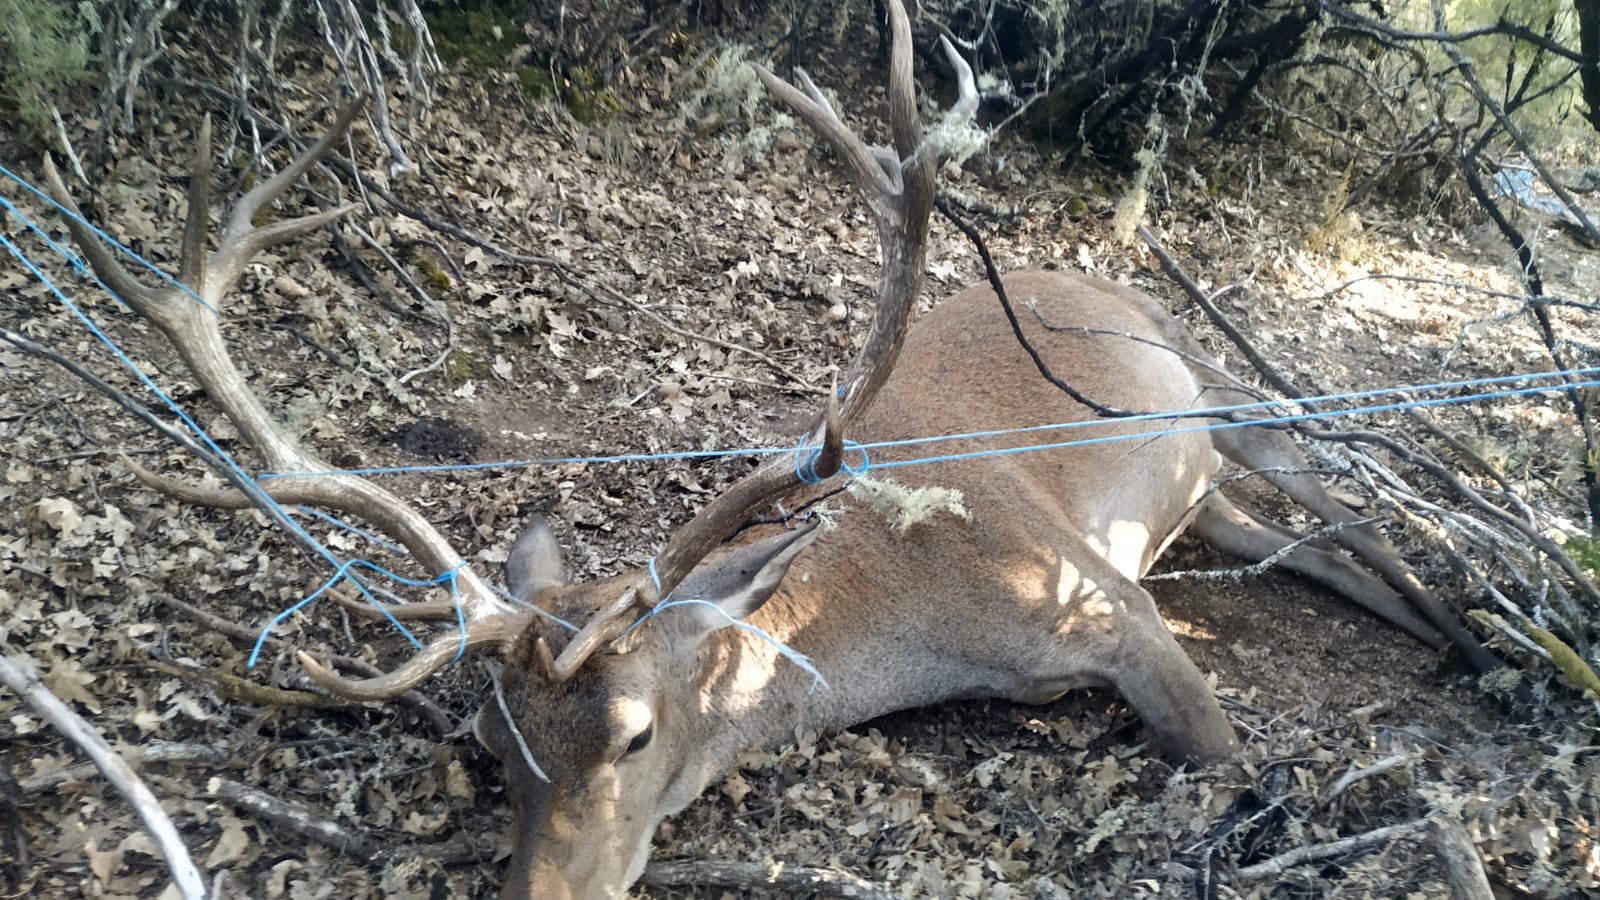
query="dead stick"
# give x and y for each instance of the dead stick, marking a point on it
(1460, 861)
(297, 819)
(313, 827)
(1354, 775)
(160, 752)
(1357, 843)
(22, 678)
(820, 882)
(1268, 371)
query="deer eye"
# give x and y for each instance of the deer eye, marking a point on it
(640, 740)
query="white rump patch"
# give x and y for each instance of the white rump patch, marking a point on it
(903, 507)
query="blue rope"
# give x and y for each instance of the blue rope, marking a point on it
(1223, 426)
(343, 572)
(805, 456)
(103, 236)
(1211, 411)
(794, 656)
(665, 603)
(539, 461)
(805, 462)
(341, 524)
(518, 601)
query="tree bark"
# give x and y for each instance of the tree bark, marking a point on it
(1589, 50)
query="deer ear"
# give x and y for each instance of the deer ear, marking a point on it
(743, 579)
(534, 562)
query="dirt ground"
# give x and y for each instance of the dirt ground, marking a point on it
(762, 246)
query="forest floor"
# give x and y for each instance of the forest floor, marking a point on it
(767, 247)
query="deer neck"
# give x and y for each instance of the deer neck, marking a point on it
(750, 695)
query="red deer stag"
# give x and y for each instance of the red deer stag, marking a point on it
(1022, 583)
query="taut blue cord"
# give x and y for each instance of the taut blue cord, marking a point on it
(102, 235)
(1222, 426)
(342, 525)
(805, 456)
(787, 652)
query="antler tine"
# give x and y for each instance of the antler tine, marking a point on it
(197, 219)
(267, 191)
(966, 85)
(417, 669)
(194, 330)
(100, 257)
(816, 112)
(904, 123)
(243, 239)
(900, 192)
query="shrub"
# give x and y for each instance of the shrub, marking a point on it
(44, 50)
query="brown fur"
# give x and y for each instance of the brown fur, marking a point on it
(1035, 595)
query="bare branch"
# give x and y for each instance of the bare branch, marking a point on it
(21, 678)
(1358, 843)
(1500, 27)
(808, 880)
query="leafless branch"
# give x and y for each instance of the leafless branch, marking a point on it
(775, 876)
(1358, 843)
(20, 677)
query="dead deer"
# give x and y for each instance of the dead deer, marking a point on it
(1023, 584)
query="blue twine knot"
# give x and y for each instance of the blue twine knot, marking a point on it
(805, 462)
(656, 578)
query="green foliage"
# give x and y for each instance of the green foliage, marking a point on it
(1505, 64)
(482, 38)
(1585, 551)
(494, 36)
(44, 50)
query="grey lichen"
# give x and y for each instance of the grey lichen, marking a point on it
(903, 507)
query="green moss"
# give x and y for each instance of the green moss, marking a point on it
(436, 277)
(1585, 551)
(481, 38)
(44, 52)
(1567, 660)
(536, 82)
(592, 105)
(461, 367)
(583, 95)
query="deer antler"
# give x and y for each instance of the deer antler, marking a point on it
(898, 186)
(191, 317)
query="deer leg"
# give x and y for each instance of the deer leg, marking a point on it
(1110, 633)
(1288, 534)
(1163, 685)
(1242, 533)
(1277, 457)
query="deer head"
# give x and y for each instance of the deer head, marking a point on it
(596, 760)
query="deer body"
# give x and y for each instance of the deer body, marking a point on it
(1032, 596)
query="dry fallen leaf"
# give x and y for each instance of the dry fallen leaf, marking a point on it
(231, 844)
